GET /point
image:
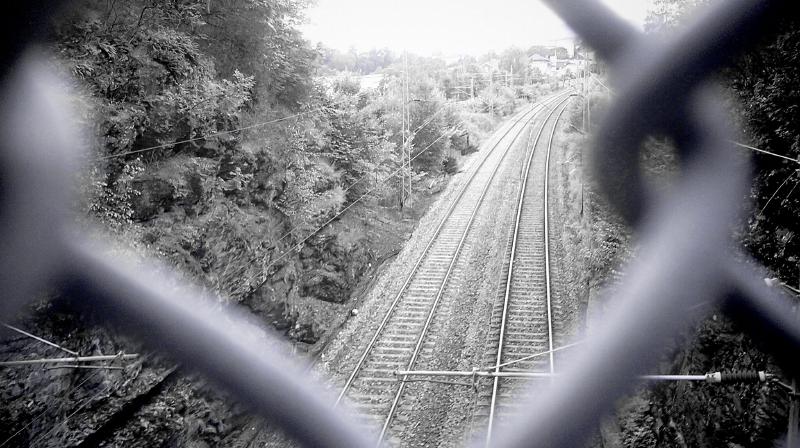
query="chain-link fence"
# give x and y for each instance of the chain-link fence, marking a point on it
(686, 256)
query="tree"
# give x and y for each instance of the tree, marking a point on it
(259, 38)
(514, 60)
(762, 82)
(665, 15)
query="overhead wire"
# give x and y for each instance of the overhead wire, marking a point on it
(761, 212)
(762, 151)
(536, 355)
(68, 417)
(204, 137)
(344, 210)
(34, 419)
(85, 402)
(791, 191)
(37, 338)
(232, 131)
(350, 187)
(217, 134)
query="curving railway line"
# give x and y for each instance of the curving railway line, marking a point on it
(408, 328)
(521, 333)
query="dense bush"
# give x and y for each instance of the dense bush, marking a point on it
(498, 100)
(761, 84)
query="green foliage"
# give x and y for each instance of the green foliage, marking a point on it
(154, 83)
(498, 100)
(638, 425)
(363, 63)
(166, 71)
(763, 83)
(260, 38)
(450, 165)
(514, 60)
(665, 15)
(111, 203)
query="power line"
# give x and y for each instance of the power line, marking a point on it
(760, 213)
(601, 83)
(753, 148)
(216, 134)
(206, 137)
(340, 213)
(78, 409)
(34, 419)
(42, 340)
(25, 362)
(791, 191)
(85, 403)
(350, 187)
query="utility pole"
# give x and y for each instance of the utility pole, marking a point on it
(472, 86)
(404, 104)
(583, 91)
(794, 407)
(491, 89)
(588, 95)
(794, 410)
(405, 195)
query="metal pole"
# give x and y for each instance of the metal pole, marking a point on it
(794, 410)
(24, 362)
(587, 124)
(714, 377)
(588, 95)
(472, 87)
(42, 340)
(407, 146)
(403, 139)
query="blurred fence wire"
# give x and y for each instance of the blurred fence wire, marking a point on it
(662, 89)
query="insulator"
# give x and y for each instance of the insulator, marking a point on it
(742, 377)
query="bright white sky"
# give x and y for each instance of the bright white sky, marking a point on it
(449, 27)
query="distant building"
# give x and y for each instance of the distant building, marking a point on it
(365, 82)
(571, 67)
(490, 66)
(371, 82)
(539, 63)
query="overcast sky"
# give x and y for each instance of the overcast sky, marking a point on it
(449, 27)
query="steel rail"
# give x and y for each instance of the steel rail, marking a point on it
(444, 283)
(685, 254)
(685, 249)
(512, 257)
(418, 263)
(547, 274)
(411, 274)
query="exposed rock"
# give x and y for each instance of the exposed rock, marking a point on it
(155, 195)
(212, 148)
(232, 160)
(233, 187)
(325, 284)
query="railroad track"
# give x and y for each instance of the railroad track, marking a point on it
(521, 325)
(372, 389)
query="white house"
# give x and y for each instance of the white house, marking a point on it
(540, 63)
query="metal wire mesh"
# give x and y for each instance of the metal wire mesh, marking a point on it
(662, 90)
